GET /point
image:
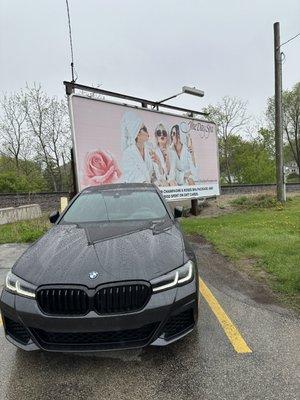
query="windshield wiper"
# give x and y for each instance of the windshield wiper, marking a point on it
(159, 226)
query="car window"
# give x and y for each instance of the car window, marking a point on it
(116, 205)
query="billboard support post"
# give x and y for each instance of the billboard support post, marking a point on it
(194, 207)
(74, 183)
(74, 190)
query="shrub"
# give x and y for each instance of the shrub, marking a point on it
(259, 201)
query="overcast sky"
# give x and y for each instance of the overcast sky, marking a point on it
(151, 48)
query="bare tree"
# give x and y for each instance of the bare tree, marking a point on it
(58, 132)
(48, 123)
(13, 128)
(35, 104)
(35, 134)
(230, 116)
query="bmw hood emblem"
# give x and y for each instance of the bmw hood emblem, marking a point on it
(93, 274)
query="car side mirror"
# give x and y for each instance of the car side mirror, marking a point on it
(53, 217)
(177, 212)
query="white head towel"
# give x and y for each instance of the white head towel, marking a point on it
(130, 127)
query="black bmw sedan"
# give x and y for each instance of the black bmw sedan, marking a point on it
(114, 272)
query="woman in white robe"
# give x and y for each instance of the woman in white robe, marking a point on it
(162, 151)
(185, 170)
(137, 161)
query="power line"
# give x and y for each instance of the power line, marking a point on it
(71, 43)
(294, 37)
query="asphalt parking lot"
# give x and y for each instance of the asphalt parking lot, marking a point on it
(246, 347)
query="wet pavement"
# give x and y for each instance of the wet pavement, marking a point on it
(204, 365)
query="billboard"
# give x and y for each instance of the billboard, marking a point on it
(116, 143)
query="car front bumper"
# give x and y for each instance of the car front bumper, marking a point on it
(167, 317)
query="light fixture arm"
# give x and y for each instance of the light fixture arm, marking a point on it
(185, 89)
(169, 98)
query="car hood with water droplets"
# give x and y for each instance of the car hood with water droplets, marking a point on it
(68, 253)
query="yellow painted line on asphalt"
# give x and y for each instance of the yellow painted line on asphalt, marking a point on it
(231, 331)
(1, 321)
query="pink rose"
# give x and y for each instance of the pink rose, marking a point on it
(100, 168)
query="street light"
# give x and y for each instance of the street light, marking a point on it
(185, 89)
(193, 91)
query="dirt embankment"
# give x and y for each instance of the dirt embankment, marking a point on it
(223, 204)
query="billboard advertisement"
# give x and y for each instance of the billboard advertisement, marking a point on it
(116, 143)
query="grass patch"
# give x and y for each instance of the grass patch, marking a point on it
(270, 236)
(24, 231)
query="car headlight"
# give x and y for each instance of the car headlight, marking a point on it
(178, 277)
(17, 285)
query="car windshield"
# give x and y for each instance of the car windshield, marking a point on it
(116, 205)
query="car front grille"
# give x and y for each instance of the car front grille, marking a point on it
(63, 301)
(95, 340)
(119, 299)
(179, 323)
(108, 299)
(16, 330)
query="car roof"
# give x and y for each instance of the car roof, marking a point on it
(118, 186)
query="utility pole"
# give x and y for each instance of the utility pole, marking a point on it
(278, 115)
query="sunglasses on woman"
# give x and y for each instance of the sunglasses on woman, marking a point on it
(160, 133)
